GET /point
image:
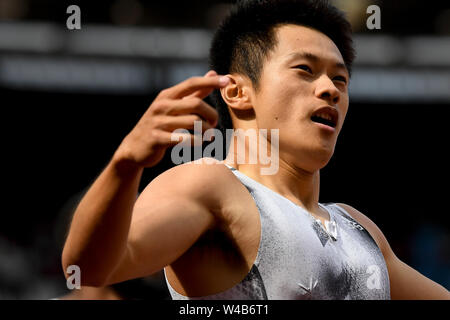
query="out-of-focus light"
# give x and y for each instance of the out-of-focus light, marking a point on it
(131, 59)
(378, 50)
(34, 37)
(112, 76)
(106, 40)
(193, 44)
(400, 85)
(70, 74)
(430, 51)
(154, 42)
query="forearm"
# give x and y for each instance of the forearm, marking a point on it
(98, 233)
(97, 239)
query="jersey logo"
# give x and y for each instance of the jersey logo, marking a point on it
(354, 225)
(331, 228)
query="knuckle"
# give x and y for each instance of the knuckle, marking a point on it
(158, 122)
(195, 103)
(159, 107)
(155, 137)
(163, 92)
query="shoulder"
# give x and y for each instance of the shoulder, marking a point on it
(201, 181)
(370, 226)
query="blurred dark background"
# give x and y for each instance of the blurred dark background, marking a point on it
(68, 97)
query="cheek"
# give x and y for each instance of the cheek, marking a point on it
(290, 103)
(273, 104)
(343, 115)
(280, 101)
(343, 106)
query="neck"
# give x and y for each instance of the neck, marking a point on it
(294, 183)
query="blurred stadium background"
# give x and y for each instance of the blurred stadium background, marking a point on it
(69, 97)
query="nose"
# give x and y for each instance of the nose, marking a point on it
(326, 90)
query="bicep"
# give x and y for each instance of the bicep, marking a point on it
(167, 220)
(409, 284)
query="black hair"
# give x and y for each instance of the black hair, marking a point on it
(247, 35)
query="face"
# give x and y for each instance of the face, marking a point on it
(303, 92)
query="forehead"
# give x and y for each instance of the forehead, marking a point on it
(293, 38)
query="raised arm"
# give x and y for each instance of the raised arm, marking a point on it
(98, 236)
(406, 283)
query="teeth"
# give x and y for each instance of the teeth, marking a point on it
(324, 116)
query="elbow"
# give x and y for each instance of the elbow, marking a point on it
(70, 266)
(79, 275)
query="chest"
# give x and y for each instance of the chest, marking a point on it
(299, 260)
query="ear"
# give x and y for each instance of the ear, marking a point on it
(238, 93)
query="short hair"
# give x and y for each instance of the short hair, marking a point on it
(247, 35)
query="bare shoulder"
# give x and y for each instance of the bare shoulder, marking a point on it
(370, 226)
(200, 181)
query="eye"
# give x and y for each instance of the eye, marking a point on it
(304, 67)
(340, 78)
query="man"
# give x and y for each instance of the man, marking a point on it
(232, 232)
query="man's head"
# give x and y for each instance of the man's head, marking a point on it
(286, 59)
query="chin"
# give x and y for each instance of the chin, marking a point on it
(311, 160)
(317, 164)
(310, 157)
(319, 158)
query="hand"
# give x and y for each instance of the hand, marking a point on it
(174, 108)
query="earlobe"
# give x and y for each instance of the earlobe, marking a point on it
(237, 94)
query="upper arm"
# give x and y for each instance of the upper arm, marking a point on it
(171, 213)
(405, 282)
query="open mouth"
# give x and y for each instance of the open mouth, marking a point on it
(327, 116)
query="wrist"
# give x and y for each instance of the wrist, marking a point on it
(123, 165)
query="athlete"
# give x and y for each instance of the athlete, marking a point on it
(228, 231)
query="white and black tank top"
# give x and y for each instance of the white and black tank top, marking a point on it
(299, 258)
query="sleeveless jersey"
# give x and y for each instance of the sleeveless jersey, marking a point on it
(299, 258)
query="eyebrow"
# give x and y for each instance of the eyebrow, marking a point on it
(312, 57)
